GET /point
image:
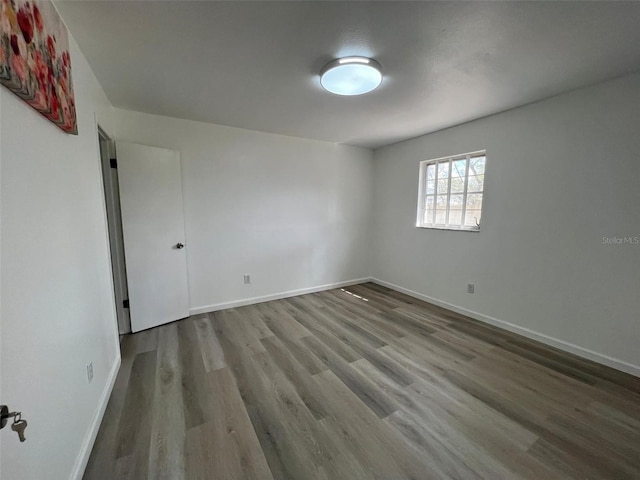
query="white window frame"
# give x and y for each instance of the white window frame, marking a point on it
(422, 194)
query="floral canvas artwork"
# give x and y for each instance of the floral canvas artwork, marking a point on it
(34, 59)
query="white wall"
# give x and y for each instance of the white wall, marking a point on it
(57, 311)
(561, 174)
(293, 213)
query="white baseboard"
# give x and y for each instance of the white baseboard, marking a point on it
(87, 445)
(276, 296)
(525, 332)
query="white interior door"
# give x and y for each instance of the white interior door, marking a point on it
(153, 231)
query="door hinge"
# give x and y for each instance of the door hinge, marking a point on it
(114, 163)
(125, 303)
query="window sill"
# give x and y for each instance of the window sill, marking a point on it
(472, 230)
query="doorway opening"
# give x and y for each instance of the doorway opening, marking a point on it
(109, 165)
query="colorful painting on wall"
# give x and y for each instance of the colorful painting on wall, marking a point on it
(34, 59)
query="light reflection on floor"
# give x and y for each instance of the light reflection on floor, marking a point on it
(353, 294)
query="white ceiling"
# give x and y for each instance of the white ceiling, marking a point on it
(255, 64)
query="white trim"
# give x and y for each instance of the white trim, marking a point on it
(554, 342)
(455, 229)
(85, 451)
(276, 296)
(459, 156)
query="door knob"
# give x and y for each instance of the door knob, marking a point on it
(179, 245)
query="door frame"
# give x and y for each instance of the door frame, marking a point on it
(108, 163)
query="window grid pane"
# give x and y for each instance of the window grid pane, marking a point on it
(458, 173)
(435, 192)
(455, 210)
(446, 221)
(466, 186)
(431, 172)
(474, 205)
(452, 192)
(477, 165)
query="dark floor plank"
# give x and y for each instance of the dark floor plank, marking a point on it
(195, 392)
(226, 448)
(376, 400)
(352, 306)
(566, 443)
(134, 428)
(275, 313)
(313, 321)
(210, 349)
(380, 302)
(101, 461)
(166, 456)
(293, 442)
(373, 442)
(290, 332)
(365, 345)
(408, 323)
(441, 456)
(360, 383)
(304, 384)
(338, 322)
(135, 420)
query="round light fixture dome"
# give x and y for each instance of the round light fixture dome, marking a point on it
(351, 76)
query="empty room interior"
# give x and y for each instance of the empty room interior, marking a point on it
(339, 240)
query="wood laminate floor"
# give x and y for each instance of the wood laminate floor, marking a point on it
(360, 383)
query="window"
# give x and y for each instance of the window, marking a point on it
(451, 190)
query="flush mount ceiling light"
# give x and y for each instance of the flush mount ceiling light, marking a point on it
(351, 76)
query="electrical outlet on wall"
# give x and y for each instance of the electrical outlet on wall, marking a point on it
(90, 372)
(247, 278)
(471, 287)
